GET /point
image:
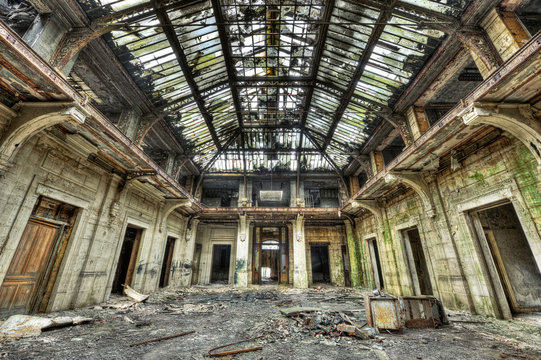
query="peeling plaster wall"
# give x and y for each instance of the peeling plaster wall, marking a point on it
(335, 236)
(48, 166)
(503, 171)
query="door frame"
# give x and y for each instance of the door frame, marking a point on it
(322, 244)
(231, 268)
(70, 258)
(410, 260)
(377, 284)
(497, 195)
(281, 244)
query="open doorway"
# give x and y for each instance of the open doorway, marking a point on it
(269, 261)
(32, 273)
(376, 264)
(417, 262)
(270, 255)
(319, 256)
(511, 264)
(167, 259)
(127, 259)
(221, 257)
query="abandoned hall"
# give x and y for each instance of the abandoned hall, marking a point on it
(178, 165)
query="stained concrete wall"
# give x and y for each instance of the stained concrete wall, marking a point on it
(48, 166)
(502, 171)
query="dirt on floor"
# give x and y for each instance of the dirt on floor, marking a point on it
(221, 315)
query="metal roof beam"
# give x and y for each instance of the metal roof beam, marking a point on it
(383, 18)
(169, 31)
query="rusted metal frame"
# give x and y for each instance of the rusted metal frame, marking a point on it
(268, 210)
(515, 62)
(163, 18)
(384, 16)
(418, 9)
(310, 91)
(318, 53)
(215, 157)
(231, 75)
(291, 79)
(34, 61)
(329, 160)
(322, 135)
(277, 151)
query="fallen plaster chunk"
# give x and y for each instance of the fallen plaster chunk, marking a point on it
(134, 295)
(18, 326)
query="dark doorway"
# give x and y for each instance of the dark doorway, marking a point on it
(376, 264)
(167, 258)
(30, 278)
(127, 259)
(509, 252)
(347, 269)
(221, 256)
(417, 262)
(319, 255)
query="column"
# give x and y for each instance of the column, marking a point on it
(353, 256)
(186, 270)
(243, 246)
(300, 277)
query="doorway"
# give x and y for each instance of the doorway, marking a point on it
(417, 262)
(319, 256)
(376, 264)
(270, 255)
(509, 258)
(167, 259)
(31, 275)
(221, 257)
(127, 259)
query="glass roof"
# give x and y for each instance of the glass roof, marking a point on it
(257, 85)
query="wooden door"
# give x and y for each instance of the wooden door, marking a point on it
(30, 278)
(167, 258)
(27, 266)
(256, 256)
(284, 256)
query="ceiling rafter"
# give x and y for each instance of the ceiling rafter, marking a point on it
(318, 53)
(383, 18)
(231, 75)
(169, 31)
(329, 160)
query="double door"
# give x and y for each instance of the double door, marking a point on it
(270, 255)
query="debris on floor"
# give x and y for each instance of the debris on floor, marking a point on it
(134, 295)
(19, 326)
(323, 324)
(327, 323)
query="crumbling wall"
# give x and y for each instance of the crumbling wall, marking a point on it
(335, 236)
(48, 166)
(502, 171)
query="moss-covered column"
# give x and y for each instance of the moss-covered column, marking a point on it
(353, 255)
(241, 260)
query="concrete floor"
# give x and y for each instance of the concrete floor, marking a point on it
(221, 315)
